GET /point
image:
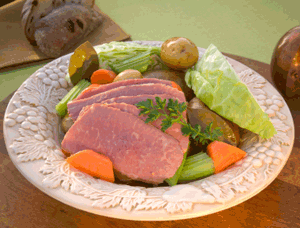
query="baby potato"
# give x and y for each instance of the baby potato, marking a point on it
(128, 74)
(66, 123)
(179, 53)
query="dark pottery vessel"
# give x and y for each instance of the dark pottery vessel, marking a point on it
(285, 64)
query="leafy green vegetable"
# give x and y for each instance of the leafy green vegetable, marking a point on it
(124, 55)
(174, 115)
(215, 83)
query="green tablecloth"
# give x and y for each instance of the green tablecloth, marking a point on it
(246, 28)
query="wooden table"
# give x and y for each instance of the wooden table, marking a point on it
(24, 206)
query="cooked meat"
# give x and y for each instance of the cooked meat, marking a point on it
(74, 107)
(136, 149)
(138, 98)
(106, 87)
(174, 130)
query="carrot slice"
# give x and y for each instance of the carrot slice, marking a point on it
(103, 76)
(176, 86)
(93, 163)
(224, 155)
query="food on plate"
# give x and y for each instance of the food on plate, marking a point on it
(93, 163)
(128, 141)
(128, 74)
(145, 126)
(216, 84)
(103, 76)
(61, 107)
(83, 62)
(75, 106)
(174, 130)
(172, 181)
(197, 166)
(247, 138)
(66, 123)
(199, 113)
(120, 56)
(179, 53)
(173, 112)
(172, 75)
(57, 26)
(91, 91)
(224, 154)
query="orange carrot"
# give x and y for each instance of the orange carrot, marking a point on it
(224, 155)
(93, 163)
(103, 76)
(176, 86)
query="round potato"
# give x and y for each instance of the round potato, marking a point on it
(66, 123)
(128, 74)
(179, 53)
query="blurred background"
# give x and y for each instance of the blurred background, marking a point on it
(249, 28)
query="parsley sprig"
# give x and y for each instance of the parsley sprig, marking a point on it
(172, 113)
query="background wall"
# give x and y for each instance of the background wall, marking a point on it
(249, 28)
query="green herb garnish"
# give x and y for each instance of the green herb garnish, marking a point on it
(172, 113)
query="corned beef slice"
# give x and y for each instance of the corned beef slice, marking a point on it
(138, 98)
(137, 150)
(109, 86)
(174, 130)
(74, 107)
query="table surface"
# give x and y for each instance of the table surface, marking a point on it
(23, 205)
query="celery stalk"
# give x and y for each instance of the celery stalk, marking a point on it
(139, 62)
(61, 107)
(197, 166)
(173, 180)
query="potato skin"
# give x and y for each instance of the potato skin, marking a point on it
(179, 53)
(128, 74)
(66, 123)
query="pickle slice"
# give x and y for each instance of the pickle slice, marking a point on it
(83, 63)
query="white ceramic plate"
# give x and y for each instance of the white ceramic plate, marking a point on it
(31, 135)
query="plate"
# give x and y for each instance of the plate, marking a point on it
(31, 132)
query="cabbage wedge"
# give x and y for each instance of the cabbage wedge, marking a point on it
(215, 82)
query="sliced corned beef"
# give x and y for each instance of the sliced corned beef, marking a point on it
(106, 87)
(74, 107)
(137, 150)
(138, 98)
(174, 130)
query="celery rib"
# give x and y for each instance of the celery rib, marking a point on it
(173, 180)
(139, 62)
(61, 107)
(197, 166)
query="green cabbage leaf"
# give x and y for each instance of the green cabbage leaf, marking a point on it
(216, 83)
